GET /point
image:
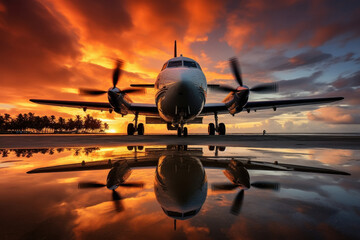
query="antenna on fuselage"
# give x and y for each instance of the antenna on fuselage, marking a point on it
(175, 50)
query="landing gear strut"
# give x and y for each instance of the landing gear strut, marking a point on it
(139, 128)
(219, 128)
(182, 130)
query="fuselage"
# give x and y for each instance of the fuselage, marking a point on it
(180, 185)
(181, 90)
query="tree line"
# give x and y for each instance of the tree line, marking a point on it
(31, 123)
(29, 152)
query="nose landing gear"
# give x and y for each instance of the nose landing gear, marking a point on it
(182, 130)
(139, 128)
(219, 128)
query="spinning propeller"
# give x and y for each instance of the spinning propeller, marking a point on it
(235, 69)
(116, 76)
(238, 200)
(116, 197)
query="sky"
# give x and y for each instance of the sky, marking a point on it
(49, 49)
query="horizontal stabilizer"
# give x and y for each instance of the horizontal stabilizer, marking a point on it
(142, 85)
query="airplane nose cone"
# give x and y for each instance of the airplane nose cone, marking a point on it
(182, 98)
(184, 88)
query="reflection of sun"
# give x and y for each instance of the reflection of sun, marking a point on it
(111, 130)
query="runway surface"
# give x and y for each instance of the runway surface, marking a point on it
(275, 202)
(267, 141)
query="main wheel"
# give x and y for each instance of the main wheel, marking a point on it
(130, 129)
(222, 148)
(211, 129)
(179, 132)
(222, 129)
(141, 129)
(185, 133)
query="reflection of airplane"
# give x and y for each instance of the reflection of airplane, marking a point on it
(180, 183)
(181, 98)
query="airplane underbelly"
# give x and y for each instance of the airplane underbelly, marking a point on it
(180, 102)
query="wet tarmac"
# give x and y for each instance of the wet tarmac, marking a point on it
(113, 140)
(161, 191)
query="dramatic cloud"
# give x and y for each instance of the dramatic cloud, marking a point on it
(334, 115)
(300, 84)
(296, 23)
(51, 48)
(345, 82)
(308, 58)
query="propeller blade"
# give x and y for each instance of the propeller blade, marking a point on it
(117, 72)
(132, 184)
(116, 198)
(222, 88)
(266, 185)
(93, 92)
(235, 68)
(223, 186)
(265, 88)
(82, 185)
(237, 203)
(133, 90)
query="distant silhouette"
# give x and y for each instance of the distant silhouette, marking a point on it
(264, 132)
(29, 123)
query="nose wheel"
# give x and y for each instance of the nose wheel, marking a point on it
(219, 128)
(182, 131)
(133, 128)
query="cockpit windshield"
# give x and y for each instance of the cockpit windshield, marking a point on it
(189, 64)
(180, 63)
(174, 64)
(164, 66)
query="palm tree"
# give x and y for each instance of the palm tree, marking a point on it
(78, 123)
(52, 122)
(61, 124)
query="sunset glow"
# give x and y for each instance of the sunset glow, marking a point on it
(50, 49)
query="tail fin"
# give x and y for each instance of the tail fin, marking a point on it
(175, 50)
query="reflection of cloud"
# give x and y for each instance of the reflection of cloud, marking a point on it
(332, 156)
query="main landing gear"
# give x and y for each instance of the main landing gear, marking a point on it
(219, 128)
(132, 128)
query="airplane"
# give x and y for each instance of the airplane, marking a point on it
(180, 183)
(180, 99)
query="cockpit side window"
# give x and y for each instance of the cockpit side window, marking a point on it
(174, 64)
(198, 65)
(189, 64)
(164, 66)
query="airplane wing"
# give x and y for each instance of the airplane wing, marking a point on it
(222, 162)
(221, 108)
(210, 108)
(288, 103)
(141, 108)
(144, 109)
(208, 162)
(75, 104)
(97, 165)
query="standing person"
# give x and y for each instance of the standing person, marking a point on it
(264, 132)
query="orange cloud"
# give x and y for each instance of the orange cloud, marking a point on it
(333, 115)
